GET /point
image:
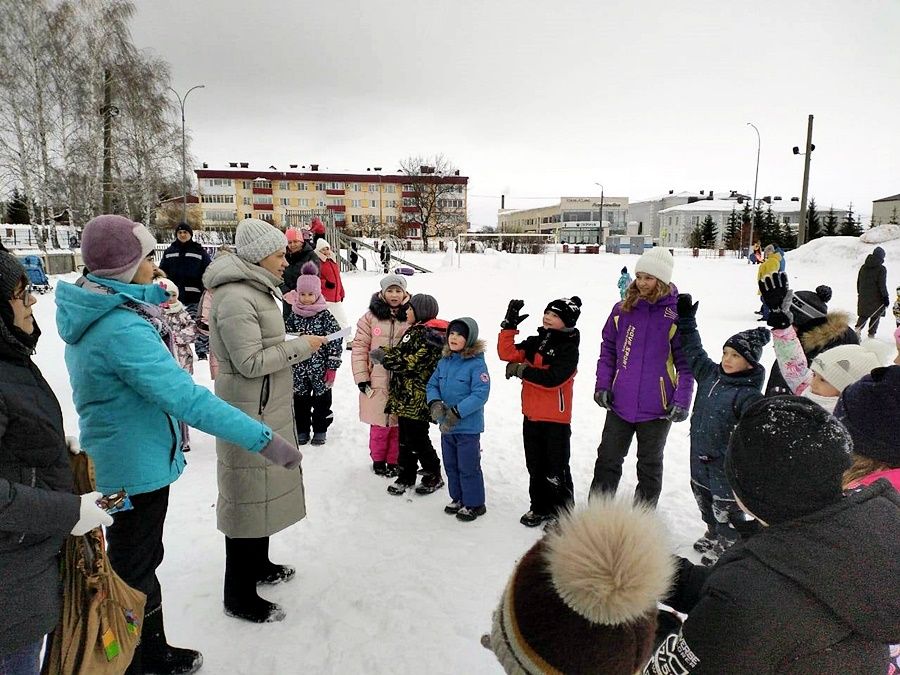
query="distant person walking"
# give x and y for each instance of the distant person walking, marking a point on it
(384, 253)
(872, 294)
(184, 262)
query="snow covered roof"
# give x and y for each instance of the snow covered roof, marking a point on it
(683, 194)
(892, 198)
(725, 205)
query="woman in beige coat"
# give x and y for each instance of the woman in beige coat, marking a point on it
(246, 329)
(388, 318)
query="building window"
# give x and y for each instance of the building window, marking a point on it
(373, 187)
(335, 186)
(356, 219)
(320, 186)
(247, 185)
(355, 203)
(220, 216)
(320, 203)
(303, 202)
(336, 202)
(372, 203)
(217, 199)
(217, 182)
(391, 203)
(301, 186)
(282, 185)
(266, 216)
(248, 215)
(246, 201)
(262, 199)
(409, 188)
(409, 201)
(391, 219)
(285, 201)
(356, 187)
(266, 184)
(390, 188)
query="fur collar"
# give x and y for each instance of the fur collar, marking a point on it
(833, 330)
(468, 352)
(383, 312)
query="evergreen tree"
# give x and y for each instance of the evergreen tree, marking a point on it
(746, 217)
(831, 223)
(850, 227)
(813, 226)
(696, 238)
(893, 219)
(17, 209)
(733, 231)
(708, 232)
(769, 228)
(789, 237)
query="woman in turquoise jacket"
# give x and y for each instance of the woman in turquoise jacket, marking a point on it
(131, 397)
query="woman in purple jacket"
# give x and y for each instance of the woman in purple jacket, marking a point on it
(643, 378)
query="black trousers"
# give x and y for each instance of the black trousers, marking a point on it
(312, 410)
(547, 460)
(135, 543)
(614, 444)
(415, 447)
(874, 320)
(245, 560)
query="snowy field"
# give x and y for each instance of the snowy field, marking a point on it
(391, 584)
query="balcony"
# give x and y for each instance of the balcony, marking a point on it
(262, 191)
(335, 207)
(263, 207)
(407, 194)
(409, 209)
(335, 192)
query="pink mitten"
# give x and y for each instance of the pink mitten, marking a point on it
(329, 378)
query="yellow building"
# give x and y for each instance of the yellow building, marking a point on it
(368, 203)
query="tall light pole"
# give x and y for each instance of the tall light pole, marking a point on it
(755, 183)
(181, 102)
(601, 209)
(802, 231)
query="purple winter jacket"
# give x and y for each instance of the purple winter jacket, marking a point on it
(641, 361)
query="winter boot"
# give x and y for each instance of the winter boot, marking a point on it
(393, 470)
(240, 598)
(319, 438)
(275, 574)
(704, 543)
(157, 656)
(430, 483)
(398, 487)
(453, 508)
(380, 468)
(254, 609)
(303, 439)
(532, 519)
(467, 514)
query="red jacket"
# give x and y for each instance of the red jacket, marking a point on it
(547, 384)
(332, 287)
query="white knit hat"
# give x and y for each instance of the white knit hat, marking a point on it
(657, 262)
(322, 243)
(843, 365)
(256, 239)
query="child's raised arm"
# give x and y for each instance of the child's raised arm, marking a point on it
(698, 360)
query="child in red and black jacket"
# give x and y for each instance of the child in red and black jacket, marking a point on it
(546, 364)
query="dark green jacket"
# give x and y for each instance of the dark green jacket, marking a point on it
(411, 362)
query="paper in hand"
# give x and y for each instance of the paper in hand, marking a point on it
(341, 334)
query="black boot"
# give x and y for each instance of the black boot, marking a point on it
(157, 657)
(267, 572)
(241, 599)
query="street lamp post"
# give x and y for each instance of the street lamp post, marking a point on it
(755, 183)
(601, 209)
(802, 231)
(181, 102)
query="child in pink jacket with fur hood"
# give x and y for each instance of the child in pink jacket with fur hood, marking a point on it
(388, 318)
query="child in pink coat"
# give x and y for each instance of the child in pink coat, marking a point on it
(388, 318)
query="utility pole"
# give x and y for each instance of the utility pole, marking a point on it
(755, 183)
(107, 112)
(802, 232)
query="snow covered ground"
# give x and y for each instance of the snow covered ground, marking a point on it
(391, 584)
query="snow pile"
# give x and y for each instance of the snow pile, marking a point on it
(845, 250)
(881, 233)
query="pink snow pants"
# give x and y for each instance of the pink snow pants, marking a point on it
(384, 443)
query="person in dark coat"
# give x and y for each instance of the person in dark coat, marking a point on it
(354, 256)
(818, 328)
(384, 254)
(871, 288)
(38, 506)
(184, 262)
(299, 252)
(814, 591)
(724, 391)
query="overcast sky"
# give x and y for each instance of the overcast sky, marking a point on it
(539, 99)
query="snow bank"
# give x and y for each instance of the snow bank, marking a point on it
(881, 233)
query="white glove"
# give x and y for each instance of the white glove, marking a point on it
(73, 445)
(90, 515)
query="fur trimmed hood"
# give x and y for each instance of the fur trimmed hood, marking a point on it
(836, 330)
(468, 352)
(382, 311)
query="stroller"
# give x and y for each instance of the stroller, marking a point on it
(34, 268)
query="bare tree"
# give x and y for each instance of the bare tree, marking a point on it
(433, 196)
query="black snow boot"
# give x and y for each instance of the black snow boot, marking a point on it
(242, 558)
(157, 657)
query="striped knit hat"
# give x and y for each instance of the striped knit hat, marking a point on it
(583, 599)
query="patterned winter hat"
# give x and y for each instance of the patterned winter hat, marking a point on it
(309, 281)
(810, 308)
(424, 306)
(567, 309)
(465, 326)
(113, 247)
(657, 262)
(173, 305)
(256, 239)
(749, 343)
(786, 458)
(870, 409)
(843, 365)
(583, 599)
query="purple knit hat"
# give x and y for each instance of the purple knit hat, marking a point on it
(308, 281)
(113, 247)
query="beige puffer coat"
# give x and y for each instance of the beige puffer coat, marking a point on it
(246, 334)
(379, 327)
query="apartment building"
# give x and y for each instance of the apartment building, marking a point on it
(364, 203)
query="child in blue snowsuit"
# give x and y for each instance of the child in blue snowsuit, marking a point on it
(457, 392)
(624, 282)
(724, 391)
